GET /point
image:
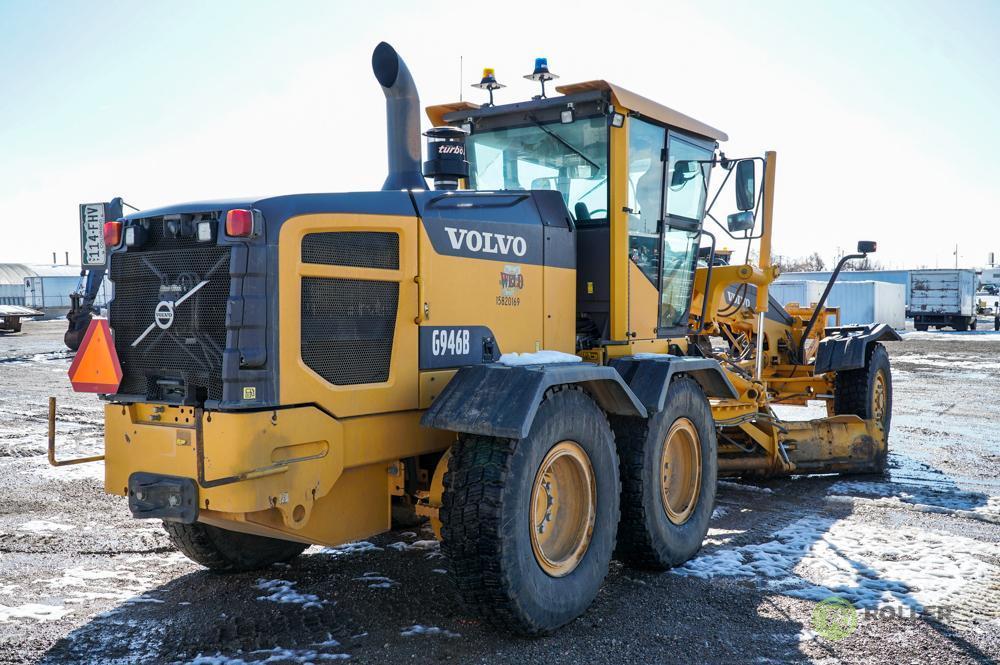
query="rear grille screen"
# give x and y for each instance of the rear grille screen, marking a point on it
(188, 353)
(347, 328)
(356, 249)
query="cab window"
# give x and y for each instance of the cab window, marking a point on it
(686, 187)
(571, 158)
(645, 186)
(687, 178)
(679, 249)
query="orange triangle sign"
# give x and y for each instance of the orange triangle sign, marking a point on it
(96, 368)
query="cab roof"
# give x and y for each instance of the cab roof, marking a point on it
(621, 97)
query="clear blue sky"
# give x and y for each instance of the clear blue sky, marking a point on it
(883, 114)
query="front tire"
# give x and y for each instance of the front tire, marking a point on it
(225, 551)
(529, 525)
(669, 466)
(867, 393)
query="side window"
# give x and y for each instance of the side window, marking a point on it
(687, 179)
(679, 249)
(645, 185)
(686, 187)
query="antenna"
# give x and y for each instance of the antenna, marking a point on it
(460, 77)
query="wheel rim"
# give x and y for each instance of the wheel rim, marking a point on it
(680, 471)
(563, 509)
(880, 395)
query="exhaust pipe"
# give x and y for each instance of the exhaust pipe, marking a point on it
(402, 110)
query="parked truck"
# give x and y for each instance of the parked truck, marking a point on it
(943, 298)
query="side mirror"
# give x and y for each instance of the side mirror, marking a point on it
(740, 221)
(746, 186)
(867, 246)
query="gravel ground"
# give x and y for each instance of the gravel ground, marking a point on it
(915, 551)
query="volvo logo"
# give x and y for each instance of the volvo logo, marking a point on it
(163, 315)
(486, 242)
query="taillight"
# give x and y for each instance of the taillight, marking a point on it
(239, 223)
(112, 234)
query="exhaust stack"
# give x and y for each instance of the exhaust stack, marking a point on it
(402, 110)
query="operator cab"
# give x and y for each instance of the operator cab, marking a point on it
(633, 174)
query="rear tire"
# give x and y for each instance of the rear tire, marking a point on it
(229, 551)
(655, 532)
(867, 393)
(524, 577)
(922, 327)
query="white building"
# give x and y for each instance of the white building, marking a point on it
(42, 287)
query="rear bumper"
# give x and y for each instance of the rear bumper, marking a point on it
(301, 450)
(295, 473)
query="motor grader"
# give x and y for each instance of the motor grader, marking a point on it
(530, 353)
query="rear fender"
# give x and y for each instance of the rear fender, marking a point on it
(501, 401)
(649, 377)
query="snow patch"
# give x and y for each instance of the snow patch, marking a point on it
(744, 487)
(350, 549)
(868, 565)
(44, 527)
(275, 655)
(417, 629)
(283, 591)
(538, 358)
(947, 500)
(376, 580)
(419, 545)
(35, 611)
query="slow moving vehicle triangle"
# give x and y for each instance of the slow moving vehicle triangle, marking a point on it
(96, 368)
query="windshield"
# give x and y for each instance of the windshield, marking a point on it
(571, 158)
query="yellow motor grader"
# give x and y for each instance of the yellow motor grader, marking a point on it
(542, 354)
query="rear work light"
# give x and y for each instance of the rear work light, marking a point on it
(239, 223)
(206, 231)
(112, 234)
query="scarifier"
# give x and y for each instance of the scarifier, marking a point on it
(311, 368)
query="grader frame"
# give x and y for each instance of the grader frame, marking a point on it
(522, 467)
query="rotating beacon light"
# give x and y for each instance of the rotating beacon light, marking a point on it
(489, 82)
(541, 74)
(446, 162)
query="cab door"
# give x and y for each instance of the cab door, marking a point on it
(646, 151)
(685, 189)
